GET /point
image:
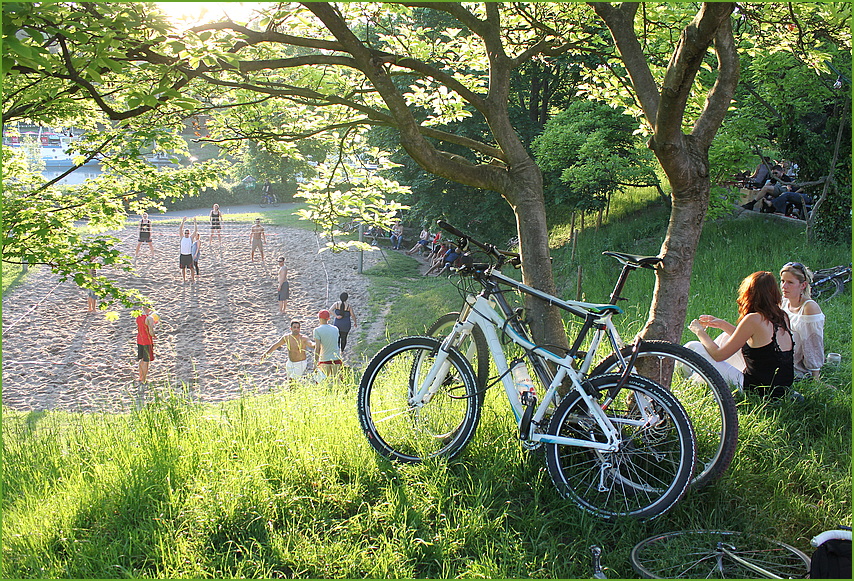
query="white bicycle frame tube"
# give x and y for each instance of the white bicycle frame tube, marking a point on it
(478, 311)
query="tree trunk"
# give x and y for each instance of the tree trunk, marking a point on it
(688, 167)
(526, 199)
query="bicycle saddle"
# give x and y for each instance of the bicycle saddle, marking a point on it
(635, 260)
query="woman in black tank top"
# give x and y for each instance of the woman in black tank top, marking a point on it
(762, 334)
(216, 223)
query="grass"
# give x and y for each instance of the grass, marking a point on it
(286, 485)
(13, 275)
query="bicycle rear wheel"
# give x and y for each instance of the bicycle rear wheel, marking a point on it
(827, 289)
(473, 347)
(650, 471)
(701, 555)
(702, 392)
(400, 431)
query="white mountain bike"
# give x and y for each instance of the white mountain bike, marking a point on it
(598, 349)
(617, 444)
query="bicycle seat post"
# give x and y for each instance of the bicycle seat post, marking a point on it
(621, 282)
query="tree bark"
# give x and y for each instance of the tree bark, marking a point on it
(684, 158)
(518, 179)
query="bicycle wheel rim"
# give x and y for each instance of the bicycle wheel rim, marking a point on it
(399, 431)
(698, 554)
(702, 392)
(653, 467)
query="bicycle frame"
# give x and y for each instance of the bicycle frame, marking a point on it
(595, 316)
(480, 310)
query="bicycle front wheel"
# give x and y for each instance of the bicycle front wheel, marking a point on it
(473, 347)
(717, 555)
(401, 431)
(652, 468)
(702, 392)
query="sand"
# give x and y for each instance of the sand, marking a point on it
(210, 336)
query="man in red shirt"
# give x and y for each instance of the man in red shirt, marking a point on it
(144, 341)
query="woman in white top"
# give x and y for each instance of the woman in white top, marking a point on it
(806, 318)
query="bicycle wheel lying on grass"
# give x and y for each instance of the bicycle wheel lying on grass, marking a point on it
(827, 290)
(717, 555)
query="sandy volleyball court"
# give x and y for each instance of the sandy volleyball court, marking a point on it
(211, 334)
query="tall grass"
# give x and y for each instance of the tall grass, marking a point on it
(285, 484)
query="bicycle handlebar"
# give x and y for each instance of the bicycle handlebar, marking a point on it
(490, 249)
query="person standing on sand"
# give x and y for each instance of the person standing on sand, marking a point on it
(196, 249)
(185, 260)
(257, 238)
(216, 223)
(297, 345)
(345, 318)
(326, 355)
(91, 299)
(145, 342)
(283, 288)
(144, 234)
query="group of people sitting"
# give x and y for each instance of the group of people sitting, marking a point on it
(773, 189)
(779, 336)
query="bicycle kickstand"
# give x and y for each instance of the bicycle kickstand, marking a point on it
(596, 552)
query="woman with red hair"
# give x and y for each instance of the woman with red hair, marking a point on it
(763, 335)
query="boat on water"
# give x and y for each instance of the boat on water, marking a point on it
(54, 144)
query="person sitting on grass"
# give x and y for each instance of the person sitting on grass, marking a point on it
(447, 261)
(763, 335)
(805, 317)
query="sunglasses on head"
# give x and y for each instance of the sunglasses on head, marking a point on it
(799, 266)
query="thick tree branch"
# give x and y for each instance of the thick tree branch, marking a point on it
(720, 95)
(253, 37)
(412, 139)
(456, 10)
(620, 21)
(683, 66)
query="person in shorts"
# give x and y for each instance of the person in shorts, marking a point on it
(283, 290)
(257, 239)
(196, 249)
(144, 342)
(297, 345)
(185, 260)
(327, 354)
(144, 234)
(216, 223)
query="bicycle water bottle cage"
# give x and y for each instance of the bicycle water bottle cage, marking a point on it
(635, 260)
